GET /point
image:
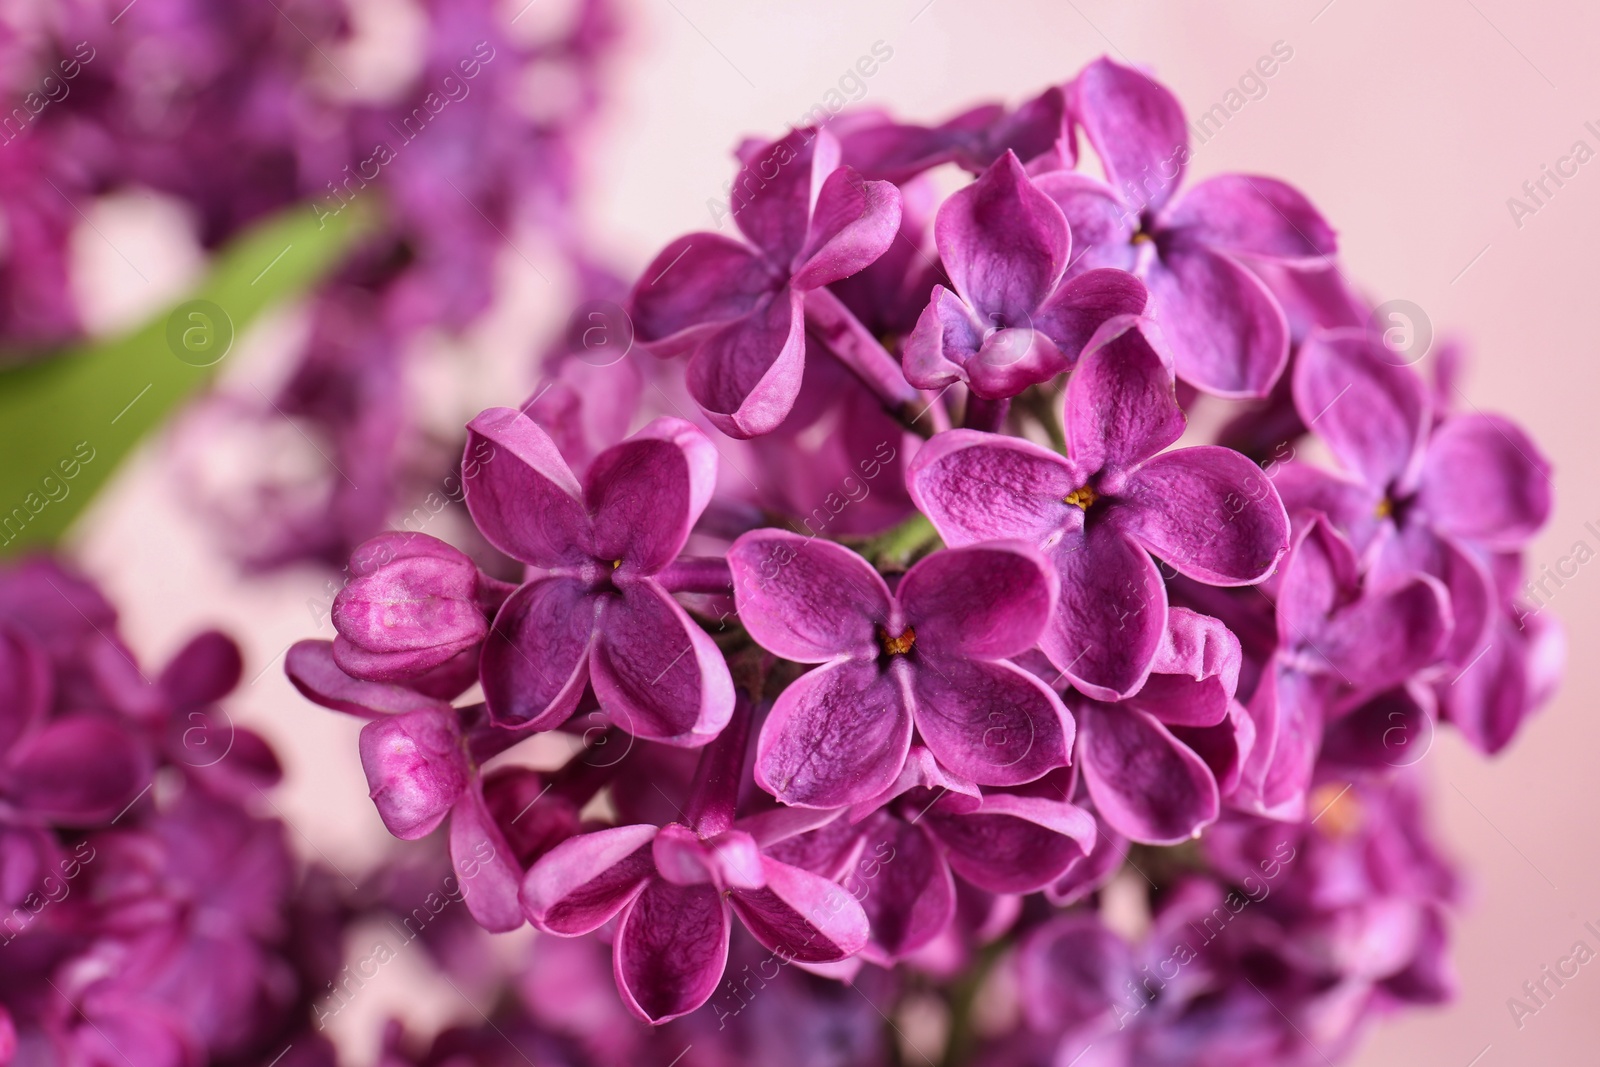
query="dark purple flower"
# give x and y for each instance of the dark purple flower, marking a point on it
(739, 310)
(929, 657)
(1100, 511)
(599, 610)
(1013, 319)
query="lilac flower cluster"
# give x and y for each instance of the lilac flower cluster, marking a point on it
(148, 912)
(243, 109)
(911, 617)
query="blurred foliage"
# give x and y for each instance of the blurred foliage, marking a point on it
(67, 422)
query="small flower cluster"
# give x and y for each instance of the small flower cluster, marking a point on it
(242, 109)
(911, 614)
(148, 913)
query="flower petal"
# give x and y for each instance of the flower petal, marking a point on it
(806, 599)
(852, 224)
(1209, 512)
(1003, 243)
(774, 190)
(1084, 303)
(1373, 414)
(1072, 970)
(411, 606)
(905, 887)
(671, 949)
(80, 769)
(1145, 782)
(991, 600)
(1014, 844)
(647, 493)
(524, 499)
(535, 662)
(1120, 406)
(1110, 616)
(992, 722)
(697, 281)
(746, 374)
(656, 673)
(1485, 481)
(416, 769)
(946, 339)
(204, 671)
(1229, 336)
(311, 668)
(580, 884)
(1195, 672)
(1255, 216)
(1137, 129)
(485, 864)
(836, 736)
(983, 487)
(801, 916)
(1102, 225)
(26, 686)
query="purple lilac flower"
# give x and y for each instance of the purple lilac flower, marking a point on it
(928, 658)
(1101, 510)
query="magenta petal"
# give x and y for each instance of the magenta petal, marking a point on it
(1136, 127)
(1474, 603)
(1287, 712)
(905, 887)
(1110, 616)
(773, 190)
(646, 494)
(1209, 512)
(1145, 782)
(79, 769)
(1014, 844)
(1004, 243)
(311, 668)
(1229, 337)
(580, 884)
(944, 343)
(536, 660)
(1120, 406)
(204, 671)
(992, 722)
(1072, 970)
(524, 498)
(836, 736)
(1351, 506)
(656, 673)
(852, 224)
(416, 769)
(26, 686)
(801, 916)
(412, 606)
(1490, 699)
(1081, 306)
(485, 864)
(1102, 225)
(697, 281)
(671, 949)
(1373, 414)
(982, 487)
(1485, 481)
(1253, 216)
(1195, 672)
(806, 599)
(991, 600)
(1393, 729)
(747, 373)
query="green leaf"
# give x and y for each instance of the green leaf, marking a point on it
(67, 422)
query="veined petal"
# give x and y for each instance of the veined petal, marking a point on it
(1102, 224)
(905, 887)
(671, 949)
(1255, 216)
(983, 487)
(853, 223)
(656, 673)
(647, 493)
(746, 374)
(992, 722)
(524, 498)
(1004, 243)
(946, 339)
(1195, 672)
(1145, 782)
(1229, 336)
(1110, 615)
(1485, 481)
(990, 600)
(1137, 129)
(697, 281)
(535, 662)
(801, 916)
(1372, 414)
(312, 670)
(807, 599)
(1014, 844)
(580, 884)
(416, 769)
(485, 864)
(1209, 512)
(1120, 406)
(836, 736)
(1086, 302)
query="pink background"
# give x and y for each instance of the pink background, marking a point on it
(1408, 124)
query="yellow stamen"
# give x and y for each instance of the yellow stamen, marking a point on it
(1384, 509)
(615, 564)
(897, 646)
(1336, 810)
(1140, 238)
(1082, 497)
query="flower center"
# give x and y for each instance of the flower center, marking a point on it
(1337, 811)
(896, 646)
(1082, 497)
(1384, 509)
(615, 564)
